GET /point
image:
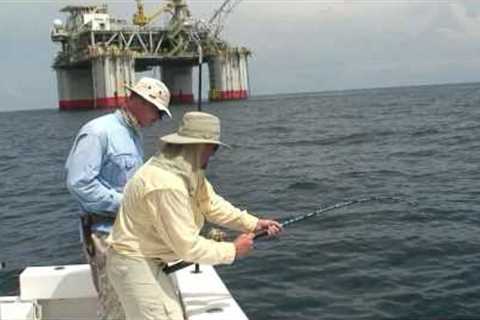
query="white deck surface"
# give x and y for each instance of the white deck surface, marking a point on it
(67, 292)
(206, 297)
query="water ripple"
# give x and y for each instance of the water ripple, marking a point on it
(292, 155)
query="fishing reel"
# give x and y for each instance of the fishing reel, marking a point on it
(216, 235)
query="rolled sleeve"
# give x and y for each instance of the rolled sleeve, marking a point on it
(175, 225)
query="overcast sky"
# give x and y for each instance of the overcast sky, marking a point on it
(298, 45)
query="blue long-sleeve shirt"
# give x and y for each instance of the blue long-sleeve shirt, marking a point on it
(105, 154)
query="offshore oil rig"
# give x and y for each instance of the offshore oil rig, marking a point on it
(100, 54)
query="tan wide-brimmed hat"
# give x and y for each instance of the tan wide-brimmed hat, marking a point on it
(154, 91)
(196, 127)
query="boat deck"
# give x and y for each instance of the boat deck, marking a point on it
(67, 292)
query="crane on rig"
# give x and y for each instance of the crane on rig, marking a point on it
(178, 9)
(217, 21)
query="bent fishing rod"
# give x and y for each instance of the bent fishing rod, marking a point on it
(183, 264)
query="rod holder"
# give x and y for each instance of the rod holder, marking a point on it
(197, 268)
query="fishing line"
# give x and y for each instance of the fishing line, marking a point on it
(296, 219)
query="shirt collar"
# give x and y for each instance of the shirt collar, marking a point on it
(127, 119)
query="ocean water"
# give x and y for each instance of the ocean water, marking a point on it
(293, 154)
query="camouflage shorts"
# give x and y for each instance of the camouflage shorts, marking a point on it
(109, 306)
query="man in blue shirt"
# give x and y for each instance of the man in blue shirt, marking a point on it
(105, 154)
(108, 150)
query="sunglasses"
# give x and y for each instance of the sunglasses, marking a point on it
(161, 114)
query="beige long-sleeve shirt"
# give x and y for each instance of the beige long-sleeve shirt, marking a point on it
(159, 219)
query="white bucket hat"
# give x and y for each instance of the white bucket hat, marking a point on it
(154, 91)
(196, 127)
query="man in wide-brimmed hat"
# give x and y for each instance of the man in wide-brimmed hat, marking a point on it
(105, 154)
(163, 210)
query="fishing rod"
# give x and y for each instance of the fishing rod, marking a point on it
(183, 264)
(296, 219)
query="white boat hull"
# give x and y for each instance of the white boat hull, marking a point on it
(67, 292)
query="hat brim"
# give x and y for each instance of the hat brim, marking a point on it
(175, 138)
(159, 106)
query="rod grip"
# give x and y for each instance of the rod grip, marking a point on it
(261, 234)
(177, 266)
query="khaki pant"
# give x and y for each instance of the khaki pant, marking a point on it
(145, 291)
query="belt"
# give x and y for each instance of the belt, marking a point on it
(157, 261)
(94, 222)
